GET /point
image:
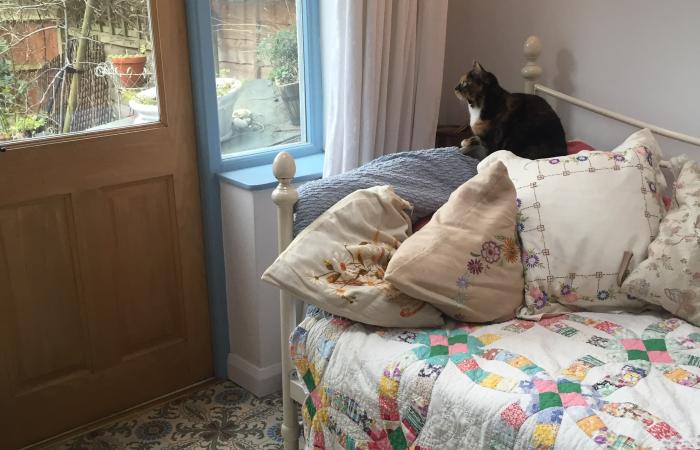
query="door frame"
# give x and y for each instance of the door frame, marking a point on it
(211, 164)
(206, 133)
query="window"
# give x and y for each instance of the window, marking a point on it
(74, 66)
(257, 74)
(266, 75)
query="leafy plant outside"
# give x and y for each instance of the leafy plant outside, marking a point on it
(279, 50)
(224, 89)
(28, 125)
(12, 92)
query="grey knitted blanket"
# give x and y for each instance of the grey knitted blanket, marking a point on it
(425, 178)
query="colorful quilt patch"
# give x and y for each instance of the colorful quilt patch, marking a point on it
(518, 327)
(549, 400)
(544, 435)
(514, 415)
(571, 399)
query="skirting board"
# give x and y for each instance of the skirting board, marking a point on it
(261, 381)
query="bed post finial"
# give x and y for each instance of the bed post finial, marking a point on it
(532, 71)
(285, 196)
(284, 168)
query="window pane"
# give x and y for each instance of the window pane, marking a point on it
(257, 69)
(53, 81)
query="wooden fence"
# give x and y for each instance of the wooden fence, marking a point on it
(39, 58)
(239, 25)
(46, 36)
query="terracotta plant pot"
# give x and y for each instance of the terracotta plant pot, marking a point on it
(130, 69)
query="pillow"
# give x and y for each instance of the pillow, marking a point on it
(578, 216)
(338, 262)
(670, 277)
(466, 260)
(425, 178)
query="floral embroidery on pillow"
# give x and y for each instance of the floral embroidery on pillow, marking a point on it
(684, 300)
(498, 251)
(565, 294)
(531, 260)
(363, 265)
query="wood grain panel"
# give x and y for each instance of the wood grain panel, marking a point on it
(149, 288)
(44, 318)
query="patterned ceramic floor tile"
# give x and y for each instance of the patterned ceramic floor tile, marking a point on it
(220, 416)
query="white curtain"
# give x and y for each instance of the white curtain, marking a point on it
(382, 76)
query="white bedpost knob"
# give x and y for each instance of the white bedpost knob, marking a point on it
(284, 168)
(532, 71)
(532, 47)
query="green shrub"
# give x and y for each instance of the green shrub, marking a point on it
(28, 125)
(280, 51)
(13, 91)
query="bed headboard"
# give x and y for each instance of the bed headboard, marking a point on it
(532, 72)
(285, 196)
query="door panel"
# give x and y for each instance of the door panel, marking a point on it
(146, 256)
(38, 263)
(103, 301)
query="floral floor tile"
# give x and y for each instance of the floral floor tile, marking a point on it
(220, 416)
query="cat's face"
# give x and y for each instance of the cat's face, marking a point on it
(474, 85)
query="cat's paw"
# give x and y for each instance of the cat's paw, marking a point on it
(470, 144)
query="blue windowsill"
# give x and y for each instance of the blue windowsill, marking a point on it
(260, 177)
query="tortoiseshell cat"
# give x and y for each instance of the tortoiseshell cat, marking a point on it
(522, 123)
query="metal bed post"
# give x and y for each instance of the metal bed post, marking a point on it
(285, 196)
(532, 71)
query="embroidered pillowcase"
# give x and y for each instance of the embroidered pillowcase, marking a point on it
(578, 215)
(338, 262)
(670, 277)
(466, 260)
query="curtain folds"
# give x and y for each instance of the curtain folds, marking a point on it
(382, 76)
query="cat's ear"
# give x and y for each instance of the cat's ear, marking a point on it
(477, 66)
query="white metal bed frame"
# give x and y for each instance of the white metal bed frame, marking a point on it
(285, 196)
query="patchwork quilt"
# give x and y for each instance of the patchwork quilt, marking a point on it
(574, 381)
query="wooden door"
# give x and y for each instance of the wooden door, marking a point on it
(103, 300)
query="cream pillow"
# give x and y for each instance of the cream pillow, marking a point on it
(338, 262)
(670, 277)
(466, 260)
(578, 215)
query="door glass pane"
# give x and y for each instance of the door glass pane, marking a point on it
(70, 66)
(257, 69)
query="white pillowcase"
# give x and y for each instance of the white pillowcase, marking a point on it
(671, 275)
(578, 215)
(338, 262)
(466, 260)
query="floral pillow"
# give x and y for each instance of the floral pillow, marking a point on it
(670, 277)
(583, 220)
(338, 262)
(466, 260)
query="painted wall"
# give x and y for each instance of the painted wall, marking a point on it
(249, 222)
(637, 57)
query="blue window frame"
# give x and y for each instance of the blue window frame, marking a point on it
(211, 162)
(204, 76)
